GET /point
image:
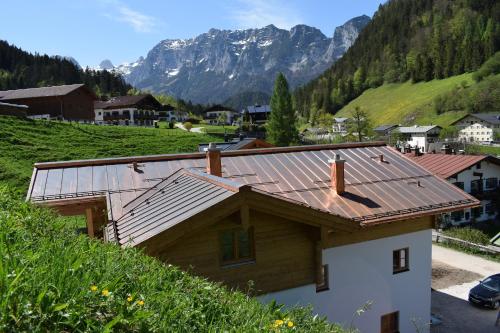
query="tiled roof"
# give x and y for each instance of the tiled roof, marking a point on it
(417, 129)
(39, 92)
(447, 165)
(376, 192)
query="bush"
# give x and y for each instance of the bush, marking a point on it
(53, 280)
(468, 234)
(188, 126)
(490, 67)
(171, 125)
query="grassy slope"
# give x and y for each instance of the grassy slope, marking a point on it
(53, 280)
(407, 103)
(47, 270)
(24, 142)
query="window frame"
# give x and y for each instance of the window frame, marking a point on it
(393, 317)
(493, 180)
(400, 269)
(326, 284)
(237, 260)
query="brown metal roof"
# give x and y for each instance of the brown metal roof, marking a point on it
(184, 194)
(125, 101)
(446, 165)
(40, 92)
(376, 191)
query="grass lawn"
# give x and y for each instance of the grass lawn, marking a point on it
(217, 128)
(407, 103)
(24, 142)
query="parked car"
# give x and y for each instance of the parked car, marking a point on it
(487, 292)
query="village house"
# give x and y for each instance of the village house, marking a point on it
(216, 114)
(478, 175)
(384, 131)
(478, 127)
(331, 226)
(74, 102)
(134, 110)
(256, 114)
(339, 126)
(170, 114)
(238, 144)
(418, 136)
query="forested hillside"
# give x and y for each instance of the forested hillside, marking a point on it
(417, 40)
(20, 69)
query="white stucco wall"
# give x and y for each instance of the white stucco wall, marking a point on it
(363, 272)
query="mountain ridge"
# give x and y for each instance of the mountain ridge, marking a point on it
(219, 64)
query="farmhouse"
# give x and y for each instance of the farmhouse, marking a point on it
(478, 127)
(68, 102)
(478, 175)
(333, 226)
(169, 114)
(16, 110)
(238, 144)
(419, 136)
(136, 110)
(257, 113)
(218, 114)
(339, 126)
(384, 131)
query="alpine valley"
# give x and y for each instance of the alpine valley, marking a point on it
(238, 66)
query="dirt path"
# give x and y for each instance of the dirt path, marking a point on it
(193, 130)
(465, 261)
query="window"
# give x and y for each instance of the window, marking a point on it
(400, 262)
(489, 209)
(478, 166)
(323, 284)
(477, 212)
(460, 185)
(491, 183)
(389, 323)
(457, 216)
(476, 186)
(237, 246)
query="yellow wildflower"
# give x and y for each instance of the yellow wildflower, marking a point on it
(278, 322)
(141, 302)
(93, 288)
(130, 299)
(105, 292)
(290, 324)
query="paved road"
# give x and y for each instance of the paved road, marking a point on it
(449, 303)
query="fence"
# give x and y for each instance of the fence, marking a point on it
(438, 237)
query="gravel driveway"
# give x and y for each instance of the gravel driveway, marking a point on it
(453, 275)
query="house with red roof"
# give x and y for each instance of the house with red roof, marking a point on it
(478, 175)
(330, 226)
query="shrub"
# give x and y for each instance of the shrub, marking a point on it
(468, 234)
(188, 126)
(171, 124)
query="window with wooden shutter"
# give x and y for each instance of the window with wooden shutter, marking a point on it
(400, 261)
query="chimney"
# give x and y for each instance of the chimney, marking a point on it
(214, 166)
(381, 158)
(337, 174)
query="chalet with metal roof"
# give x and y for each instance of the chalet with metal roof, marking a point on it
(478, 127)
(257, 113)
(418, 136)
(331, 226)
(67, 102)
(478, 175)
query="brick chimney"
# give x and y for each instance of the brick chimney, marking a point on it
(214, 166)
(337, 174)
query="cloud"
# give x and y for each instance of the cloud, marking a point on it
(120, 12)
(259, 13)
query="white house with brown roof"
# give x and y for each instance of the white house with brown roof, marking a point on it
(478, 175)
(332, 226)
(478, 127)
(133, 110)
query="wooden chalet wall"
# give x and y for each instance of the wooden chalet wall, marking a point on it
(77, 105)
(284, 254)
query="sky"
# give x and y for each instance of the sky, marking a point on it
(124, 30)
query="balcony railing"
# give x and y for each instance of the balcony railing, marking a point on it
(116, 117)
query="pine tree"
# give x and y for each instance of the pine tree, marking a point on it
(281, 127)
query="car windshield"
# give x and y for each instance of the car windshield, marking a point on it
(493, 284)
